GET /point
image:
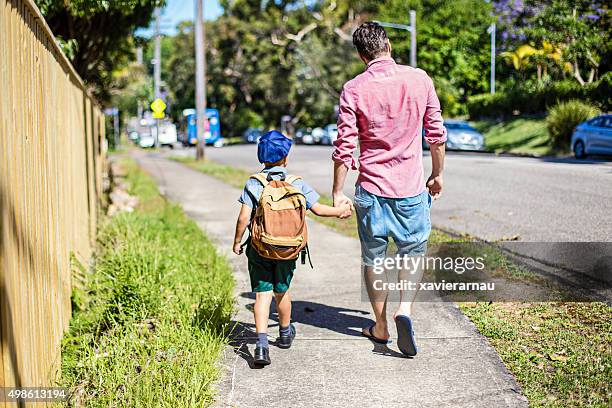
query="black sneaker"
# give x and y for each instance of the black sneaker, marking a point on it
(262, 356)
(284, 342)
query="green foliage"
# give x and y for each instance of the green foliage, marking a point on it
(159, 300)
(453, 46)
(537, 97)
(564, 117)
(582, 34)
(98, 35)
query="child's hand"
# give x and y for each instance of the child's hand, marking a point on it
(237, 249)
(345, 211)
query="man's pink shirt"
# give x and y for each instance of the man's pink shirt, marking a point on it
(385, 109)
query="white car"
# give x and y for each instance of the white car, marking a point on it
(146, 140)
(167, 134)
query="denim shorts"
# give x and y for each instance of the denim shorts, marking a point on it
(406, 220)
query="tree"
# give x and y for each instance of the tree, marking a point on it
(97, 35)
(581, 28)
(453, 45)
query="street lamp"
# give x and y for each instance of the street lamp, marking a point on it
(412, 29)
(491, 30)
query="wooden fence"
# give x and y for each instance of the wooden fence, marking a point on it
(51, 163)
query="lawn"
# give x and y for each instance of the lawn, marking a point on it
(560, 352)
(151, 318)
(521, 135)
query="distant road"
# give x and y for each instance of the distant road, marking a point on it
(490, 197)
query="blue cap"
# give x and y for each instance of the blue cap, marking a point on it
(273, 146)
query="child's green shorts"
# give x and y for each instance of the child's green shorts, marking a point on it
(269, 274)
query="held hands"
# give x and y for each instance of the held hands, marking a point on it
(345, 203)
(434, 185)
(346, 211)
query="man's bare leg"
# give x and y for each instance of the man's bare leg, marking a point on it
(407, 296)
(378, 300)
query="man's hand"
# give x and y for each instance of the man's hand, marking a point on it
(434, 185)
(237, 249)
(341, 199)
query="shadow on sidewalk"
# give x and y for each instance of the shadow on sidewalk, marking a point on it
(337, 319)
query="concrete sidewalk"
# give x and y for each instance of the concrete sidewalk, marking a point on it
(330, 364)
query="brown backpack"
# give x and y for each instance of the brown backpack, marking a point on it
(278, 229)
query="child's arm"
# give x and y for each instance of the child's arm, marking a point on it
(322, 210)
(241, 225)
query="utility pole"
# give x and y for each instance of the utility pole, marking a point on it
(200, 57)
(413, 45)
(139, 62)
(491, 30)
(157, 57)
(157, 70)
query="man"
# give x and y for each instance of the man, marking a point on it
(384, 109)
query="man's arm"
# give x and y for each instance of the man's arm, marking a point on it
(434, 183)
(435, 136)
(340, 172)
(346, 143)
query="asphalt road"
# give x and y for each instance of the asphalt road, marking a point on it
(492, 197)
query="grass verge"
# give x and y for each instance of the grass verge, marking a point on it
(521, 135)
(560, 352)
(150, 321)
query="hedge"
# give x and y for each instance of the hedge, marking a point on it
(538, 99)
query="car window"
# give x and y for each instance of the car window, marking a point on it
(607, 122)
(595, 122)
(462, 126)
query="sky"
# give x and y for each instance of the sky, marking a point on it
(181, 10)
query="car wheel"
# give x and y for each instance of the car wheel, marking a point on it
(579, 151)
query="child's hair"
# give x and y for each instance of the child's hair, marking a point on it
(276, 163)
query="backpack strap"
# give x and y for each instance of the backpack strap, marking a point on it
(290, 178)
(262, 178)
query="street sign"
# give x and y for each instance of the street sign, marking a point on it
(158, 115)
(158, 107)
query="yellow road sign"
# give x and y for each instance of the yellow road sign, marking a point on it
(158, 106)
(158, 115)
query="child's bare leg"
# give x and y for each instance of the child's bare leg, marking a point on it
(262, 311)
(283, 305)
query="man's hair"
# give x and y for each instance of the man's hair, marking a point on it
(370, 39)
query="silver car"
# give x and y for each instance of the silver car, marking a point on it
(593, 137)
(460, 136)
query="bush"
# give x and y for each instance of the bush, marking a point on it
(564, 117)
(449, 97)
(537, 98)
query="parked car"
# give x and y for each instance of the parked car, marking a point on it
(167, 134)
(331, 134)
(304, 136)
(318, 133)
(593, 137)
(252, 135)
(460, 136)
(146, 140)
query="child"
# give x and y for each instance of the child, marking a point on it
(271, 274)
